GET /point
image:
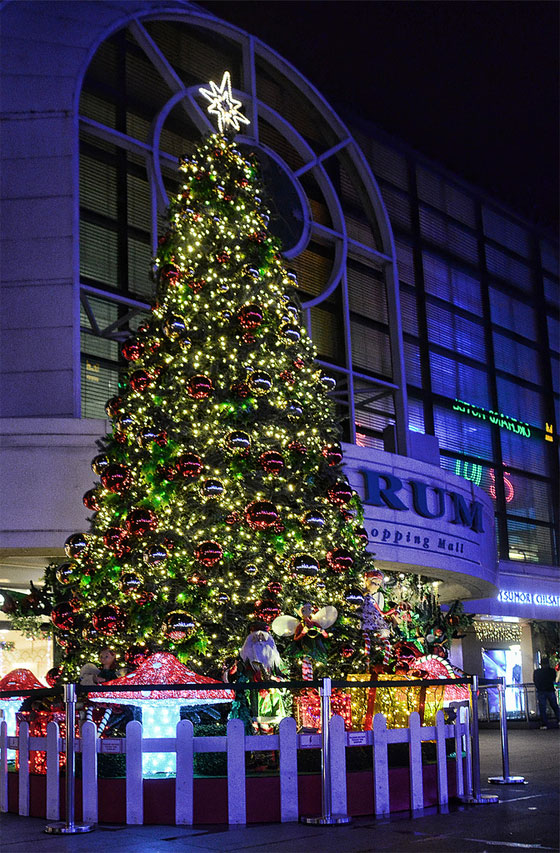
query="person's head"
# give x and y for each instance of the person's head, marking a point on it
(107, 657)
(545, 663)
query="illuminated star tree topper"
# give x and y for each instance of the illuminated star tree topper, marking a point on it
(224, 105)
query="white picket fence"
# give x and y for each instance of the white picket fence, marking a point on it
(235, 744)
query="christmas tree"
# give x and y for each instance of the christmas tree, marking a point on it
(221, 505)
(221, 502)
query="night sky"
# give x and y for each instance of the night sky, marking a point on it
(472, 85)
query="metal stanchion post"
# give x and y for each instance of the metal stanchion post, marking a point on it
(326, 818)
(476, 797)
(69, 827)
(505, 778)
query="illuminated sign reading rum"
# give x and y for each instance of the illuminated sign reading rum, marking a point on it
(382, 489)
(519, 596)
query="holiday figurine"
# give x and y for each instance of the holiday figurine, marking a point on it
(373, 618)
(308, 633)
(259, 660)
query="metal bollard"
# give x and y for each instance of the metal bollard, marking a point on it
(505, 778)
(326, 818)
(476, 797)
(68, 827)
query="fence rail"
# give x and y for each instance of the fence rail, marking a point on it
(235, 744)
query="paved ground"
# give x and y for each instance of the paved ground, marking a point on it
(526, 818)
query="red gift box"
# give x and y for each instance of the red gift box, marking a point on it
(307, 709)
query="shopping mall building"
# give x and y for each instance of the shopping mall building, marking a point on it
(435, 307)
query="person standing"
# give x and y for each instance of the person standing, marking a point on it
(544, 679)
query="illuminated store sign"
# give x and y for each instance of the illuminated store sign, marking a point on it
(496, 418)
(382, 489)
(518, 596)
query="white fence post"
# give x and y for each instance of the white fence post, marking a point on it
(380, 765)
(184, 790)
(287, 736)
(3, 766)
(415, 760)
(23, 804)
(442, 787)
(338, 765)
(134, 782)
(53, 771)
(89, 772)
(237, 797)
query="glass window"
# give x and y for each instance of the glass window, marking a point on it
(519, 402)
(529, 454)
(444, 196)
(529, 497)
(451, 284)
(454, 332)
(454, 379)
(509, 269)
(412, 364)
(530, 543)
(506, 232)
(416, 415)
(448, 234)
(549, 257)
(99, 383)
(516, 358)
(409, 313)
(370, 349)
(553, 332)
(462, 434)
(512, 314)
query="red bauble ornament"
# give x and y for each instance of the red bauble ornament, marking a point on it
(113, 406)
(75, 545)
(347, 650)
(140, 521)
(332, 454)
(196, 284)
(63, 616)
(113, 537)
(108, 619)
(272, 462)
(257, 237)
(198, 580)
(340, 493)
(248, 338)
(120, 437)
(267, 609)
(132, 350)
(179, 625)
(116, 478)
(135, 655)
(288, 377)
(208, 553)
(279, 527)
(189, 465)
(297, 447)
(53, 676)
(261, 515)
(240, 389)
(140, 380)
(167, 472)
(250, 316)
(170, 273)
(199, 387)
(275, 587)
(232, 518)
(340, 560)
(91, 500)
(223, 257)
(298, 363)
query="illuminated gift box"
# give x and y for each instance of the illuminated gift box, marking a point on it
(396, 703)
(307, 709)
